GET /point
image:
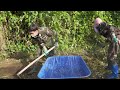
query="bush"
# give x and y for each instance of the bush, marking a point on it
(75, 28)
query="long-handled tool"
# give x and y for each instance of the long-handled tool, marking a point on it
(18, 74)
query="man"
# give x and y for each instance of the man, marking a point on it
(112, 35)
(45, 38)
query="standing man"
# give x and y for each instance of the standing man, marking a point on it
(112, 35)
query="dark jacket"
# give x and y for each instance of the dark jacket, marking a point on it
(46, 36)
(107, 30)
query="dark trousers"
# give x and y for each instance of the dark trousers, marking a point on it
(112, 54)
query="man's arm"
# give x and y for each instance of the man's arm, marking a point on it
(50, 33)
(46, 31)
(56, 39)
(113, 34)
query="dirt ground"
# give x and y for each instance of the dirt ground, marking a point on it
(10, 67)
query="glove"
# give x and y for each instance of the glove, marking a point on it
(115, 39)
(44, 49)
(56, 44)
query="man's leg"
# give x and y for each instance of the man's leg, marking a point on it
(110, 56)
(35, 66)
(113, 62)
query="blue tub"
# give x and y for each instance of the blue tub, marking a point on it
(64, 67)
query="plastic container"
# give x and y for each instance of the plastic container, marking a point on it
(64, 67)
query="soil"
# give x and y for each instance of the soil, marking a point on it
(10, 67)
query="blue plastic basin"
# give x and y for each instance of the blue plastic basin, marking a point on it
(64, 67)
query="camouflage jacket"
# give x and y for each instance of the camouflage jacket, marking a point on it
(107, 30)
(46, 36)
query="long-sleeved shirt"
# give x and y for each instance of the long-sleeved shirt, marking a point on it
(107, 31)
(46, 36)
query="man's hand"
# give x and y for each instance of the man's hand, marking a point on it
(115, 39)
(56, 44)
(44, 49)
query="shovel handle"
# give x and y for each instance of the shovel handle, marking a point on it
(37, 59)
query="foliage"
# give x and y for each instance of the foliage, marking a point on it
(74, 28)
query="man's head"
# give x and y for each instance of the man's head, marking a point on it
(33, 30)
(97, 22)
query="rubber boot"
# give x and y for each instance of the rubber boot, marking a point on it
(115, 71)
